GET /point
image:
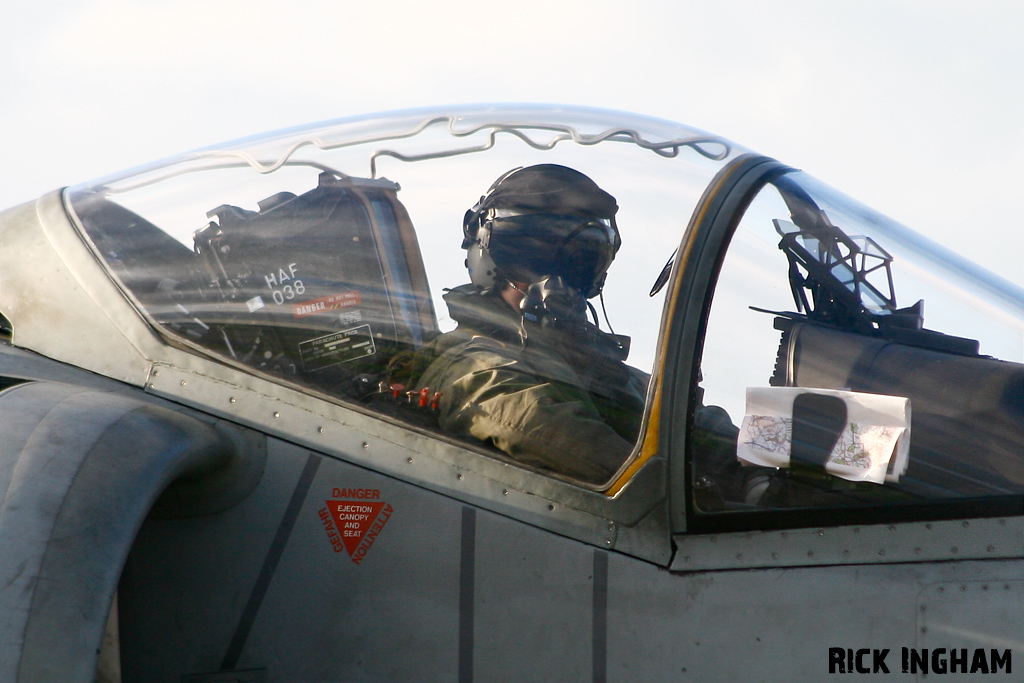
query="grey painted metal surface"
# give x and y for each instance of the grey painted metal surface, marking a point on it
(263, 594)
(436, 463)
(80, 469)
(52, 285)
(465, 594)
(862, 544)
(775, 624)
(965, 617)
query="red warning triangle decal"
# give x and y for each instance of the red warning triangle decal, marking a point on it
(353, 519)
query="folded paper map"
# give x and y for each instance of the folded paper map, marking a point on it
(873, 446)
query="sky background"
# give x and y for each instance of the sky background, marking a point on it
(914, 107)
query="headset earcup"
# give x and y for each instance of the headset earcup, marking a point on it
(482, 270)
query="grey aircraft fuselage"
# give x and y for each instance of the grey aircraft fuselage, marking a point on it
(172, 509)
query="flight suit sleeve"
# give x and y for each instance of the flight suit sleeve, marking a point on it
(506, 401)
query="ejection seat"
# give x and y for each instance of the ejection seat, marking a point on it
(322, 289)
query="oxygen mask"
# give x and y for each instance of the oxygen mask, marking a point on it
(551, 302)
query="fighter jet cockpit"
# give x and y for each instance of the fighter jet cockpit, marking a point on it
(283, 407)
(800, 352)
(341, 263)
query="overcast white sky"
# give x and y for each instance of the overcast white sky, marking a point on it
(915, 107)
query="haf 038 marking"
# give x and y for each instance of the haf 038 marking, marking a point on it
(223, 457)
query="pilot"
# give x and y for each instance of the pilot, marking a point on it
(525, 371)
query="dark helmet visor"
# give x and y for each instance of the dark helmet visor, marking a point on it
(532, 246)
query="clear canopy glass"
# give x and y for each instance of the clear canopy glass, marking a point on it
(321, 256)
(849, 361)
(333, 258)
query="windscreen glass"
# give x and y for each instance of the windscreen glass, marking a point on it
(341, 260)
(847, 361)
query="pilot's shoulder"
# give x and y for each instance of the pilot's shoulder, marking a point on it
(482, 348)
(484, 342)
(455, 346)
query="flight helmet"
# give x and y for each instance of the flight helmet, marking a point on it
(538, 224)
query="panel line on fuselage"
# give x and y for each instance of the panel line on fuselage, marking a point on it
(259, 590)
